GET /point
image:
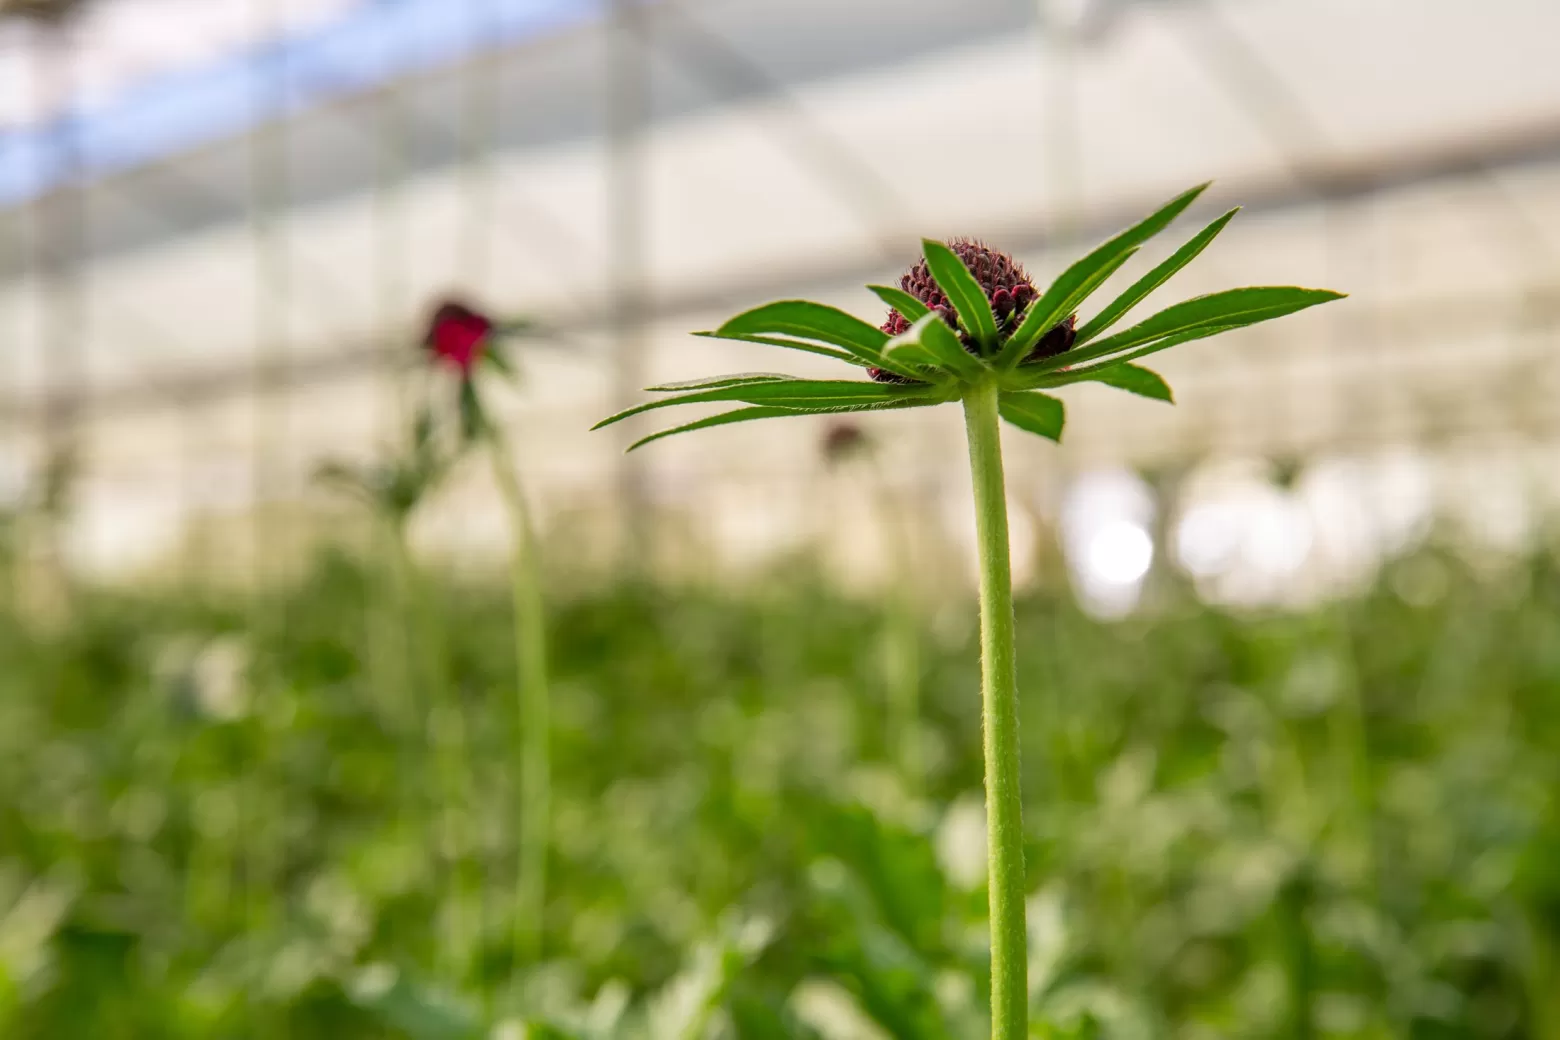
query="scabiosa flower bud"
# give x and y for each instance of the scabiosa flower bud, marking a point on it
(457, 336)
(1007, 287)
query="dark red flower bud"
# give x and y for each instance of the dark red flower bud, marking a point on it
(1007, 287)
(1057, 340)
(457, 335)
(843, 440)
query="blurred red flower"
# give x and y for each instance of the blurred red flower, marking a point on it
(457, 335)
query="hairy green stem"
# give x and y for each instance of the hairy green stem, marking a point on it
(534, 707)
(999, 688)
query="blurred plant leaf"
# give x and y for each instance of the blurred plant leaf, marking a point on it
(494, 357)
(473, 420)
(414, 1012)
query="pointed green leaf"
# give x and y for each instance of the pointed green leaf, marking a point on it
(790, 344)
(1085, 372)
(1034, 412)
(963, 291)
(1153, 279)
(932, 334)
(908, 306)
(1076, 283)
(911, 354)
(1037, 322)
(1039, 376)
(1230, 309)
(1135, 380)
(812, 321)
(863, 359)
(716, 382)
(739, 415)
(772, 412)
(785, 393)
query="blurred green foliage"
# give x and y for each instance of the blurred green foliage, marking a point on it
(296, 818)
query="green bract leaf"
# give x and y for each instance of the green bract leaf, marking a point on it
(1230, 309)
(1082, 278)
(1037, 324)
(932, 334)
(911, 354)
(773, 412)
(1034, 412)
(789, 393)
(715, 382)
(964, 292)
(791, 344)
(813, 321)
(908, 306)
(1133, 379)
(1153, 279)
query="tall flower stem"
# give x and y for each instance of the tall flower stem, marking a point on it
(902, 661)
(999, 688)
(436, 729)
(535, 709)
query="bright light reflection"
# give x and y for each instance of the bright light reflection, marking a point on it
(1105, 528)
(1119, 553)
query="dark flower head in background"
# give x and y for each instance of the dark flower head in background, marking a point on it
(1006, 285)
(458, 335)
(844, 440)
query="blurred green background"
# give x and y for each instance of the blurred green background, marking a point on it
(227, 818)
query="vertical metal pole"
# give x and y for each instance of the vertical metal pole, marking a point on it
(477, 132)
(58, 247)
(1062, 163)
(627, 99)
(272, 296)
(1060, 119)
(255, 861)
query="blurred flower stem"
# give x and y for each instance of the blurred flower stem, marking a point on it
(902, 656)
(436, 717)
(999, 691)
(535, 709)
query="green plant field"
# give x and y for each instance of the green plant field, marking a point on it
(298, 818)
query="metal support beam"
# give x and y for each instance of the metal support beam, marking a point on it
(1336, 182)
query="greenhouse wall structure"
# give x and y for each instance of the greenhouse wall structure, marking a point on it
(218, 253)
